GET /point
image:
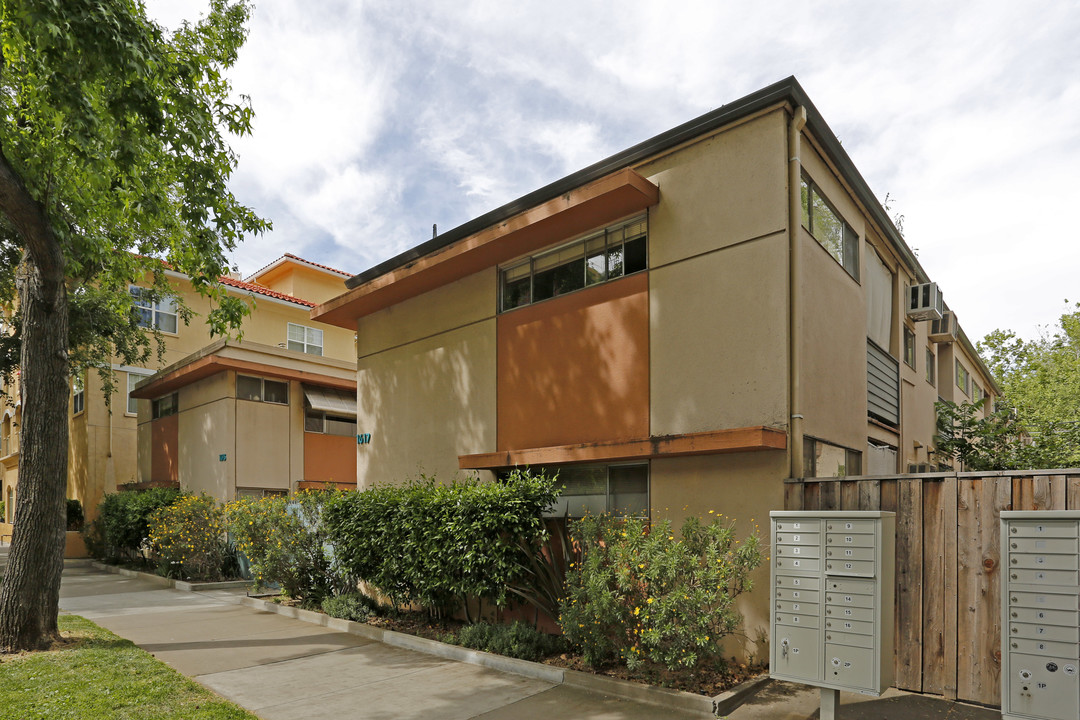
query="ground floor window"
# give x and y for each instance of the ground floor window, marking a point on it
(316, 421)
(260, 493)
(621, 489)
(822, 459)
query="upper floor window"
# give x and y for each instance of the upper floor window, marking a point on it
(976, 393)
(262, 390)
(78, 395)
(606, 255)
(824, 459)
(931, 367)
(156, 314)
(963, 378)
(305, 339)
(133, 379)
(828, 228)
(909, 347)
(165, 406)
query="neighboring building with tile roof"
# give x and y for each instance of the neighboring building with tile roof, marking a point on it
(104, 448)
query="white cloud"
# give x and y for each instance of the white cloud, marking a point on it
(375, 119)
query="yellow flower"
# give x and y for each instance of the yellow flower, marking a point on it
(649, 601)
(636, 610)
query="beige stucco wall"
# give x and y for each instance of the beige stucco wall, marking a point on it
(744, 487)
(720, 191)
(468, 300)
(833, 319)
(205, 432)
(262, 444)
(425, 403)
(718, 343)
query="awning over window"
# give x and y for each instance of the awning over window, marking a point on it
(331, 400)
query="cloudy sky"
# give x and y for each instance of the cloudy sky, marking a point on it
(376, 119)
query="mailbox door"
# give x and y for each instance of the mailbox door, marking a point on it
(1044, 687)
(797, 653)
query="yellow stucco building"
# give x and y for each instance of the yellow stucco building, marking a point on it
(105, 440)
(676, 329)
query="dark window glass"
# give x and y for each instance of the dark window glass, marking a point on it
(313, 422)
(544, 285)
(276, 392)
(628, 490)
(570, 277)
(635, 255)
(248, 388)
(516, 293)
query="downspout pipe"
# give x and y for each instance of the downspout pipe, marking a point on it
(795, 427)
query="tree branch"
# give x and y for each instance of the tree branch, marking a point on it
(31, 222)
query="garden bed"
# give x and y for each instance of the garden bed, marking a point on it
(702, 681)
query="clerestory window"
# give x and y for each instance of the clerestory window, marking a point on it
(597, 258)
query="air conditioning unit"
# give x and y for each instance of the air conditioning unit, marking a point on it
(945, 329)
(924, 302)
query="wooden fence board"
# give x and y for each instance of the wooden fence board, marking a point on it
(933, 589)
(996, 496)
(1040, 493)
(1072, 493)
(1022, 494)
(849, 495)
(869, 494)
(889, 495)
(812, 496)
(1058, 487)
(948, 505)
(909, 586)
(968, 588)
(793, 496)
(830, 495)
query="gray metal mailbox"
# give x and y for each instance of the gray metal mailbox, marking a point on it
(1040, 615)
(833, 600)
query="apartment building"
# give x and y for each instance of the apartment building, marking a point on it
(675, 329)
(104, 438)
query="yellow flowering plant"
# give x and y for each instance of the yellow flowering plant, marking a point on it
(641, 595)
(188, 538)
(286, 544)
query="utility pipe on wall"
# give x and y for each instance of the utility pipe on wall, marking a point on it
(795, 433)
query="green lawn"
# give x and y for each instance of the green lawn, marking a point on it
(102, 676)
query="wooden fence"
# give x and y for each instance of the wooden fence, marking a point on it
(948, 584)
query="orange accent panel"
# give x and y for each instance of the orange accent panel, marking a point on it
(329, 458)
(575, 369)
(212, 364)
(591, 206)
(748, 439)
(165, 446)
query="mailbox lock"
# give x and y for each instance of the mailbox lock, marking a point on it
(783, 647)
(1051, 667)
(1014, 561)
(1013, 576)
(1069, 670)
(1014, 546)
(1025, 675)
(1014, 613)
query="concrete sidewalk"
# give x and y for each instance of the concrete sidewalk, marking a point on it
(791, 701)
(278, 667)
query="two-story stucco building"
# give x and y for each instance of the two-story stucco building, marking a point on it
(676, 329)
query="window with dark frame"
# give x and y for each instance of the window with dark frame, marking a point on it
(155, 313)
(822, 459)
(823, 222)
(165, 406)
(931, 368)
(317, 421)
(621, 489)
(963, 378)
(909, 347)
(260, 389)
(603, 256)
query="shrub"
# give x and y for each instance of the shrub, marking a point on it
(188, 538)
(125, 516)
(517, 640)
(93, 534)
(75, 517)
(287, 545)
(350, 606)
(438, 545)
(542, 580)
(645, 596)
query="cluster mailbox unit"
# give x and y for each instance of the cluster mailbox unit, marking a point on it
(1040, 615)
(833, 601)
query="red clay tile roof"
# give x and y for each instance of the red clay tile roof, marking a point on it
(259, 289)
(324, 267)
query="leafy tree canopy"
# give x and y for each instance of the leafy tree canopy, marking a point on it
(1036, 423)
(113, 127)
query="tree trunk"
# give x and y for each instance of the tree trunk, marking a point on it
(30, 596)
